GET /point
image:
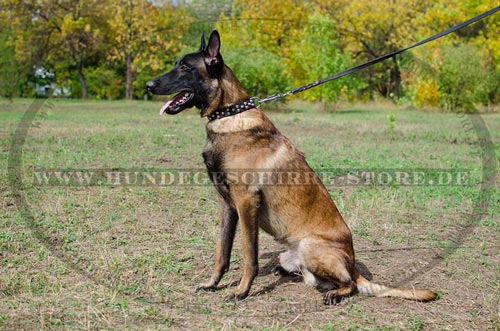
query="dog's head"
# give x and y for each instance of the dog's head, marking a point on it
(194, 78)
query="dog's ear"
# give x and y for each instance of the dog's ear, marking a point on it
(203, 43)
(213, 48)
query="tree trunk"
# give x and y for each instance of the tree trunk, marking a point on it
(395, 80)
(130, 78)
(83, 83)
(79, 69)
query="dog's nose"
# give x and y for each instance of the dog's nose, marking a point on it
(150, 85)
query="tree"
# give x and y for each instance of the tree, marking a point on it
(79, 32)
(263, 34)
(65, 33)
(144, 36)
(109, 49)
(370, 29)
(205, 15)
(319, 55)
(273, 25)
(13, 73)
(465, 77)
(462, 68)
(23, 46)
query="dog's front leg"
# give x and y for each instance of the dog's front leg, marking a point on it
(229, 220)
(247, 209)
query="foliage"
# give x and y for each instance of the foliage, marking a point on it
(104, 83)
(269, 25)
(260, 73)
(111, 49)
(425, 93)
(465, 78)
(137, 34)
(308, 62)
(461, 70)
(370, 30)
(13, 75)
(204, 16)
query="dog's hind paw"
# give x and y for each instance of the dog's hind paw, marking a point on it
(280, 271)
(332, 298)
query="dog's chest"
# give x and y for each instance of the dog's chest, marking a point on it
(214, 160)
(211, 158)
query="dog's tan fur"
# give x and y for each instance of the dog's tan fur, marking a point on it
(303, 217)
(297, 212)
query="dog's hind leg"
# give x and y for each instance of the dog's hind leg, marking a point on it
(330, 265)
(229, 220)
(289, 262)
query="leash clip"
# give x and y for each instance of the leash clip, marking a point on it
(256, 101)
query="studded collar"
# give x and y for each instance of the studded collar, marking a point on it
(232, 110)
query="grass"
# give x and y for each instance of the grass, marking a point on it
(129, 257)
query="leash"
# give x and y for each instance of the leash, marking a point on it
(258, 101)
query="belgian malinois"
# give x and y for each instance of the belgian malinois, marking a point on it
(290, 203)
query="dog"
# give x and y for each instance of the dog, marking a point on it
(290, 203)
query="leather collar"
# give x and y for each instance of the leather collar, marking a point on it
(232, 110)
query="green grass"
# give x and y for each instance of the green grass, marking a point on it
(129, 257)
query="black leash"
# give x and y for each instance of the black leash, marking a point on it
(258, 101)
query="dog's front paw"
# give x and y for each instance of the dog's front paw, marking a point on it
(208, 287)
(235, 295)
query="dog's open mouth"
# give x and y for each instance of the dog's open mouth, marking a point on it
(178, 103)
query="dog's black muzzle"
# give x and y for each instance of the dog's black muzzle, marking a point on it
(150, 85)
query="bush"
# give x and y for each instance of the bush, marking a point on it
(466, 77)
(424, 93)
(260, 72)
(103, 83)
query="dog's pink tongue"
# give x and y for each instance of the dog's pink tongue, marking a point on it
(165, 107)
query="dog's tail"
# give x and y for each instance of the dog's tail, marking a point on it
(366, 287)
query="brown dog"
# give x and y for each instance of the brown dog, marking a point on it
(263, 181)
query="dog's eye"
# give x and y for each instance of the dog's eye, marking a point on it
(183, 67)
